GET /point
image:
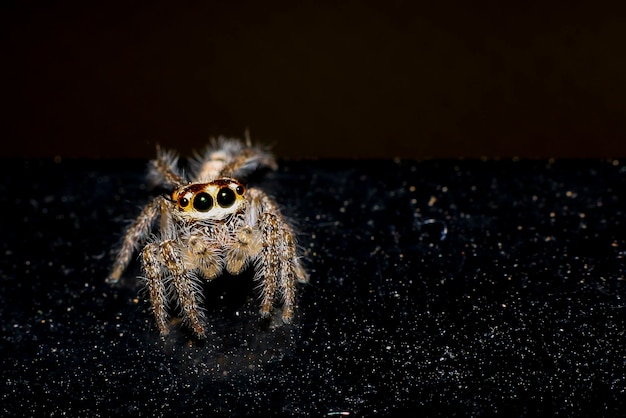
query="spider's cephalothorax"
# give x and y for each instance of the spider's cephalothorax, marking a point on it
(208, 225)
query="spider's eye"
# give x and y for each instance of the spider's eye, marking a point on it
(183, 202)
(202, 202)
(240, 190)
(226, 197)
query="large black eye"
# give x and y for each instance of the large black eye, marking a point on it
(225, 197)
(202, 202)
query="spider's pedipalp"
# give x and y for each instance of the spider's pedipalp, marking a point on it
(204, 255)
(247, 245)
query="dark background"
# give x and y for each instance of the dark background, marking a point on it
(315, 78)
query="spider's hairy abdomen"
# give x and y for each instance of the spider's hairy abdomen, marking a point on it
(231, 158)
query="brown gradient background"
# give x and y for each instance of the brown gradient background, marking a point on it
(315, 78)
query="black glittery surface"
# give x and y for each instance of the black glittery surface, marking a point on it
(437, 287)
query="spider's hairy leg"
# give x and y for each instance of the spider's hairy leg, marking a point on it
(278, 261)
(247, 245)
(204, 256)
(280, 236)
(134, 237)
(287, 254)
(184, 284)
(163, 169)
(270, 262)
(153, 269)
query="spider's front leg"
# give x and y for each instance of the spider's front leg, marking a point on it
(155, 274)
(279, 265)
(163, 260)
(134, 237)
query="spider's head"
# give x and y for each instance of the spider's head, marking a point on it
(214, 200)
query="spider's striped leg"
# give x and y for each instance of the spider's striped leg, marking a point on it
(269, 262)
(187, 286)
(155, 274)
(134, 237)
(278, 268)
(278, 264)
(287, 254)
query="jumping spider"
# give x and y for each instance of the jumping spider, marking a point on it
(208, 225)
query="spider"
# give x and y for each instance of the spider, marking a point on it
(209, 224)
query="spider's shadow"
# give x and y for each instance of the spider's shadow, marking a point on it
(232, 303)
(234, 328)
(230, 295)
